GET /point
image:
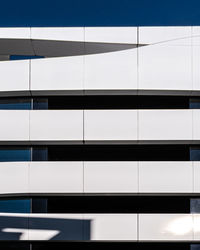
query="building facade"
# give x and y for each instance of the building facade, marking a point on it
(100, 138)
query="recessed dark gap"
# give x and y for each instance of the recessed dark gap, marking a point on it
(100, 102)
(91, 203)
(112, 204)
(46, 245)
(119, 153)
(100, 153)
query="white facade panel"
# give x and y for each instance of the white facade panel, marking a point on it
(14, 75)
(165, 227)
(165, 67)
(14, 125)
(110, 177)
(196, 226)
(110, 125)
(57, 73)
(56, 125)
(112, 70)
(14, 177)
(165, 177)
(56, 177)
(15, 33)
(196, 165)
(196, 64)
(111, 35)
(196, 124)
(165, 35)
(58, 33)
(56, 227)
(116, 227)
(165, 125)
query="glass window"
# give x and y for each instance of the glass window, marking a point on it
(194, 206)
(194, 103)
(15, 154)
(194, 154)
(40, 103)
(15, 206)
(40, 154)
(195, 247)
(22, 57)
(15, 103)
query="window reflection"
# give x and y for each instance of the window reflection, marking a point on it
(15, 103)
(194, 154)
(15, 154)
(194, 205)
(194, 103)
(40, 103)
(15, 206)
(195, 247)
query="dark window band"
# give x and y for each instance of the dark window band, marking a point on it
(100, 102)
(100, 153)
(16, 245)
(102, 204)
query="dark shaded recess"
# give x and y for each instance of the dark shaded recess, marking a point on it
(119, 153)
(101, 245)
(101, 102)
(115, 102)
(15, 245)
(86, 152)
(111, 204)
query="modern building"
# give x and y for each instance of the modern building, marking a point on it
(100, 138)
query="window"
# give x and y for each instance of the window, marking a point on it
(15, 206)
(15, 103)
(194, 103)
(40, 154)
(15, 154)
(195, 153)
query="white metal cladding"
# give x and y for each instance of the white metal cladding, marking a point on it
(93, 60)
(102, 227)
(153, 177)
(100, 125)
(102, 58)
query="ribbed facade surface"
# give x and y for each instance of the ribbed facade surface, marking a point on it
(100, 138)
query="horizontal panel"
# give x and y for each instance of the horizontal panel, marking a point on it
(166, 35)
(14, 125)
(56, 177)
(14, 177)
(165, 227)
(56, 125)
(165, 125)
(120, 177)
(14, 76)
(165, 67)
(56, 227)
(110, 125)
(57, 74)
(114, 227)
(165, 177)
(111, 34)
(114, 70)
(58, 33)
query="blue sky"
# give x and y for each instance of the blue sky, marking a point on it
(99, 12)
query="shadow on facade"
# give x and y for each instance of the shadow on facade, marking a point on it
(30, 228)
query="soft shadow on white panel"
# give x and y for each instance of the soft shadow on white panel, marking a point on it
(165, 67)
(114, 70)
